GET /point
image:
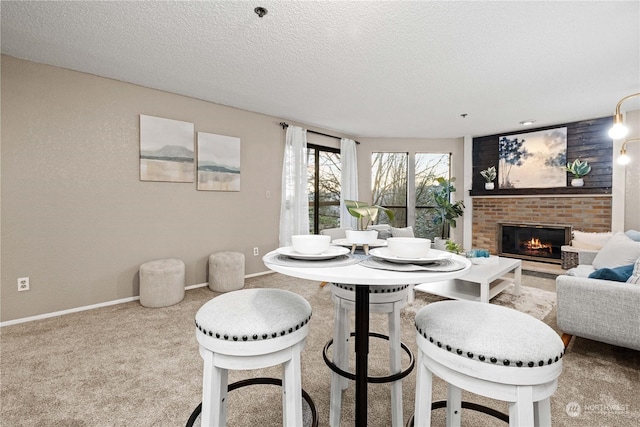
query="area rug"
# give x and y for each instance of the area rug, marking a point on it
(533, 301)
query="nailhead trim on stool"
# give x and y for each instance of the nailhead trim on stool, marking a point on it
(488, 350)
(252, 329)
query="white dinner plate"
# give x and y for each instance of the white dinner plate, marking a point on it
(385, 254)
(332, 252)
(345, 242)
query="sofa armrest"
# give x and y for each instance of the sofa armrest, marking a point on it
(586, 256)
(601, 310)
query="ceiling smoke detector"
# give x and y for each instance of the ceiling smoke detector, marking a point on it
(260, 11)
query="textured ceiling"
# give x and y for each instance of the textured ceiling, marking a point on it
(367, 69)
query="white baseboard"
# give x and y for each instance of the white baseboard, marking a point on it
(103, 304)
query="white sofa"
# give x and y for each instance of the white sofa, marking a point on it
(598, 309)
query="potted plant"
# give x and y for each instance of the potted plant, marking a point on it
(446, 212)
(578, 169)
(453, 247)
(366, 215)
(489, 175)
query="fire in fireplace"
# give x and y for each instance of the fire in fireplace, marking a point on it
(538, 242)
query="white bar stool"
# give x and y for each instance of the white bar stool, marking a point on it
(491, 351)
(252, 329)
(382, 299)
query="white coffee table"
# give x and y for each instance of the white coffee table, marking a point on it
(481, 283)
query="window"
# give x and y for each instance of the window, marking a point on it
(389, 185)
(390, 178)
(428, 167)
(324, 187)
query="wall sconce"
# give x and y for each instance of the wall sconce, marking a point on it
(619, 130)
(624, 159)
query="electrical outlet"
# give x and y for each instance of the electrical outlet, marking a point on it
(256, 252)
(268, 194)
(23, 283)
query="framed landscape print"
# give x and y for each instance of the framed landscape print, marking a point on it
(166, 150)
(218, 162)
(533, 160)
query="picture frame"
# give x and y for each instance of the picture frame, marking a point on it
(166, 150)
(218, 165)
(533, 159)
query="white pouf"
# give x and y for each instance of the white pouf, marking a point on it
(162, 283)
(489, 350)
(226, 271)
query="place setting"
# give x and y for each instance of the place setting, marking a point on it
(411, 254)
(310, 251)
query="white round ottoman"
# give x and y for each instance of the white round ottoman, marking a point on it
(162, 282)
(489, 350)
(226, 271)
(252, 329)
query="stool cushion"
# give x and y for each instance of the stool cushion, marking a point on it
(253, 314)
(489, 333)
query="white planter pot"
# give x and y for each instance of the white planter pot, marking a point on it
(439, 243)
(361, 237)
(577, 182)
(489, 185)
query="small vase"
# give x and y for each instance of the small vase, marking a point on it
(577, 182)
(489, 186)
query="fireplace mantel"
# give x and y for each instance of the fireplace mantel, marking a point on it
(550, 192)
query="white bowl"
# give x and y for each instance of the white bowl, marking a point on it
(409, 247)
(310, 244)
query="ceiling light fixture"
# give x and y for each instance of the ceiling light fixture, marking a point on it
(527, 122)
(260, 11)
(624, 159)
(619, 130)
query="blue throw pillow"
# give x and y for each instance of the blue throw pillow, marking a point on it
(618, 274)
(633, 235)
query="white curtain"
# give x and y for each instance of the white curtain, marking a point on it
(294, 209)
(348, 181)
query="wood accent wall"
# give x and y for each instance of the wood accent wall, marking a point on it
(590, 214)
(587, 140)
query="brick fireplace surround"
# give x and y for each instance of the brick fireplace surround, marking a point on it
(590, 213)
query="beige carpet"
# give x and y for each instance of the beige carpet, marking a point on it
(126, 365)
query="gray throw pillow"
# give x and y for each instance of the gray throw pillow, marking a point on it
(618, 251)
(402, 232)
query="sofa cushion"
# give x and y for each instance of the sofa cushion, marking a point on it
(618, 251)
(402, 232)
(635, 275)
(592, 241)
(582, 270)
(617, 274)
(384, 230)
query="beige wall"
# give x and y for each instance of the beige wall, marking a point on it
(77, 220)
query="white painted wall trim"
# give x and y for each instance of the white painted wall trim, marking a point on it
(104, 304)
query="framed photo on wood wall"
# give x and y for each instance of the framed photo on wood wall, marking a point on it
(533, 160)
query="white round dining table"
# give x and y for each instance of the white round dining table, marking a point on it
(363, 278)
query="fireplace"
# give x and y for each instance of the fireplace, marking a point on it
(537, 242)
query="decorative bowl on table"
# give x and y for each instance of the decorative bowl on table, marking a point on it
(310, 244)
(362, 237)
(409, 247)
